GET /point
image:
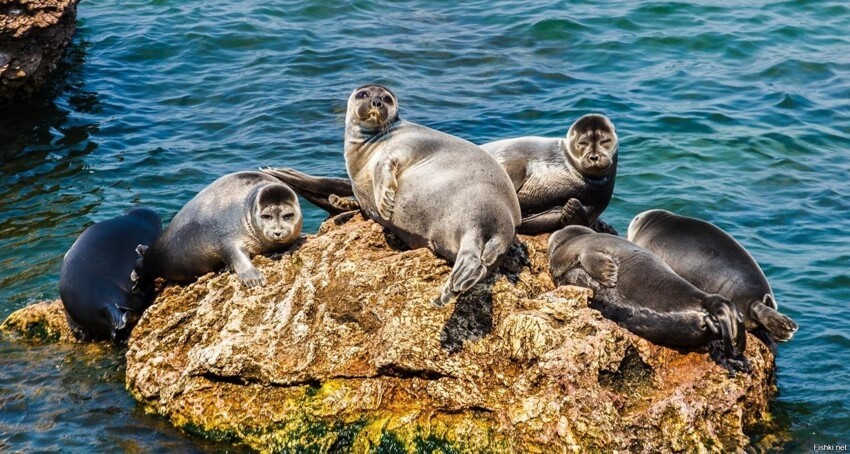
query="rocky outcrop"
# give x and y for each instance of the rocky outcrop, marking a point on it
(33, 38)
(343, 349)
(43, 321)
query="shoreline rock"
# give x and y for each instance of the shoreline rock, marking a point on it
(343, 349)
(33, 37)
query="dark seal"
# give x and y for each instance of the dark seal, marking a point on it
(562, 181)
(636, 289)
(233, 219)
(95, 285)
(714, 262)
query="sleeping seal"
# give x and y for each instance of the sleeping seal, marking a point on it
(562, 181)
(640, 292)
(714, 262)
(236, 217)
(429, 188)
(94, 283)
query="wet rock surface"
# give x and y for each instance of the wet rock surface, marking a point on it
(33, 38)
(342, 349)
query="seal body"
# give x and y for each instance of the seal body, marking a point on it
(562, 181)
(713, 261)
(236, 217)
(95, 285)
(431, 189)
(640, 292)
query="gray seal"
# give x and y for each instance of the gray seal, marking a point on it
(562, 181)
(233, 219)
(636, 289)
(95, 285)
(714, 262)
(429, 188)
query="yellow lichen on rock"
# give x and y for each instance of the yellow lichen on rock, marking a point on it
(43, 321)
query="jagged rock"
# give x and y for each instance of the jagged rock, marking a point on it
(342, 349)
(33, 38)
(45, 321)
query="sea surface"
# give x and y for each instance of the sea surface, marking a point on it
(734, 112)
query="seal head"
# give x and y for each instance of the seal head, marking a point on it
(372, 108)
(591, 145)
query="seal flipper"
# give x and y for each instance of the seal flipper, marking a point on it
(600, 226)
(780, 326)
(343, 203)
(600, 266)
(574, 213)
(730, 323)
(385, 185)
(241, 264)
(468, 269)
(547, 221)
(323, 186)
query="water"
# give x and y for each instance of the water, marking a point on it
(733, 113)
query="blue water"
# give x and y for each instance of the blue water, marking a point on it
(733, 113)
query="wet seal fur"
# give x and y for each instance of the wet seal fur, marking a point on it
(713, 261)
(428, 188)
(562, 181)
(636, 289)
(233, 219)
(95, 285)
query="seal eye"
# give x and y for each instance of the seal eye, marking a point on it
(267, 217)
(583, 143)
(361, 95)
(606, 141)
(388, 99)
(288, 216)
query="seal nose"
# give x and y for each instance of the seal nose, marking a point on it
(593, 158)
(376, 102)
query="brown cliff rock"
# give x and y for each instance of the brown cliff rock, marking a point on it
(33, 38)
(43, 321)
(342, 349)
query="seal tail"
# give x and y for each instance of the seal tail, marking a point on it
(730, 323)
(780, 326)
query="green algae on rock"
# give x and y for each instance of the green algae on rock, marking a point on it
(342, 349)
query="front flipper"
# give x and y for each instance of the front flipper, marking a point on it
(601, 267)
(780, 326)
(723, 316)
(385, 187)
(574, 213)
(239, 261)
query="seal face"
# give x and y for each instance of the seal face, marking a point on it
(429, 188)
(640, 292)
(95, 285)
(562, 181)
(236, 217)
(713, 261)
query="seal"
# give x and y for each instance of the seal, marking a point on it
(562, 181)
(233, 219)
(429, 188)
(636, 289)
(713, 261)
(94, 283)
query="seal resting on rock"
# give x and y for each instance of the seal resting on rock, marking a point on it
(95, 285)
(429, 188)
(236, 217)
(640, 292)
(562, 181)
(714, 262)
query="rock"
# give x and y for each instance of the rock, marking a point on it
(45, 321)
(342, 349)
(33, 38)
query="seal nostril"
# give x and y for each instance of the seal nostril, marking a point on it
(376, 103)
(594, 157)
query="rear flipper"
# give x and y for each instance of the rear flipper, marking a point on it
(472, 264)
(780, 326)
(602, 227)
(548, 221)
(326, 193)
(725, 319)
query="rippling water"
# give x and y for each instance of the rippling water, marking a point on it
(733, 113)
